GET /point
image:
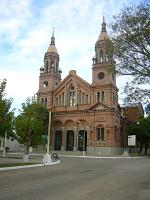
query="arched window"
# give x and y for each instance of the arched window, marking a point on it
(56, 67)
(47, 64)
(62, 99)
(72, 96)
(106, 58)
(79, 97)
(56, 101)
(52, 64)
(98, 97)
(100, 133)
(86, 100)
(46, 102)
(102, 96)
(42, 101)
(101, 55)
(83, 98)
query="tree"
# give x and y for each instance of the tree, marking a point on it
(6, 114)
(31, 124)
(134, 93)
(142, 132)
(147, 109)
(131, 31)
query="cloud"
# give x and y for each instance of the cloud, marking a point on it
(20, 85)
(25, 31)
(13, 18)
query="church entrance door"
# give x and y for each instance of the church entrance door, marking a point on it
(82, 140)
(58, 141)
(69, 140)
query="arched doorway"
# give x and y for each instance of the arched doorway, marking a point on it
(69, 140)
(58, 140)
(82, 140)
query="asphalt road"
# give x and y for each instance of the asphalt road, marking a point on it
(79, 179)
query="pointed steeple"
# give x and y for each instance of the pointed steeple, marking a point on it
(53, 38)
(103, 34)
(103, 25)
(52, 48)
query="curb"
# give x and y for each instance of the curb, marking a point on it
(78, 156)
(98, 157)
(28, 166)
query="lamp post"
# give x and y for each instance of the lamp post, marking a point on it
(83, 152)
(49, 130)
(47, 157)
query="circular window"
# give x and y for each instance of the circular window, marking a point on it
(101, 75)
(45, 84)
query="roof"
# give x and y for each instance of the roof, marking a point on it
(133, 112)
(51, 49)
(103, 36)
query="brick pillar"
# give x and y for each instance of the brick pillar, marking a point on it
(75, 147)
(63, 139)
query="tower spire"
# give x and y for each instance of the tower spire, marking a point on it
(53, 38)
(52, 47)
(103, 34)
(103, 25)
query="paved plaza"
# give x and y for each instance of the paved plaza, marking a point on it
(79, 179)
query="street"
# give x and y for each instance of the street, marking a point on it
(80, 179)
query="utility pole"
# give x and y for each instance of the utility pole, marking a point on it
(47, 157)
(49, 131)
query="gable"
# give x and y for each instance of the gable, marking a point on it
(72, 80)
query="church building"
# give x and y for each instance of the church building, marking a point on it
(85, 116)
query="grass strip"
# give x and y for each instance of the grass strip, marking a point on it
(15, 164)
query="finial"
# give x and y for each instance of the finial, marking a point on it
(103, 19)
(53, 32)
(104, 25)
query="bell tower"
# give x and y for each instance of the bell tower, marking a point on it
(103, 71)
(50, 74)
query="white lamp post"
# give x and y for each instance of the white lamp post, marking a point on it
(47, 157)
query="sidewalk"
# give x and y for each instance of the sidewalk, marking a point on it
(37, 155)
(17, 158)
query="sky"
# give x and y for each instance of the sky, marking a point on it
(25, 32)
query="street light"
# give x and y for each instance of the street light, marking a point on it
(83, 138)
(47, 157)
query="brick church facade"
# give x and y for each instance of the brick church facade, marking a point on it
(85, 117)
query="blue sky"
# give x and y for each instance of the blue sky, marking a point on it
(25, 32)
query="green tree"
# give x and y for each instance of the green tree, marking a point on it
(6, 113)
(31, 124)
(131, 42)
(147, 109)
(142, 132)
